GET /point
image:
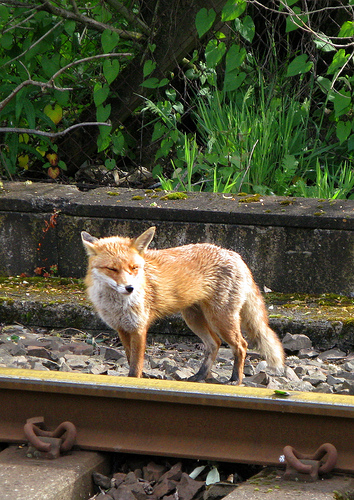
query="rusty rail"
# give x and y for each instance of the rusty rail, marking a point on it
(180, 419)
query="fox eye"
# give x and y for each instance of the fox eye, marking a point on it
(112, 269)
(134, 267)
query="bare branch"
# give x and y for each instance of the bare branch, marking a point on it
(302, 25)
(33, 45)
(129, 15)
(26, 83)
(86, 59)
(92, 23)
(50, 84)
(30, 131)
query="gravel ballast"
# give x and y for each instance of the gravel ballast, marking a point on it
(70, 350)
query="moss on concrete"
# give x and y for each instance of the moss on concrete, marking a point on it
(53, 302)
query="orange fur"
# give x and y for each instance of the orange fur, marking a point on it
(131, 286)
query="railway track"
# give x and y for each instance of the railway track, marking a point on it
(179, 419)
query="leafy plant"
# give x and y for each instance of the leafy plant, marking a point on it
(259, 133)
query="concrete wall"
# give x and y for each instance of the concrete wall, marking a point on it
(291, 245)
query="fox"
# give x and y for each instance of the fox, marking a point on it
(131, 286)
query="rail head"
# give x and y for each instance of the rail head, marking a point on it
(177, 392)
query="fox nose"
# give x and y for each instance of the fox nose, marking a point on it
(129, 288)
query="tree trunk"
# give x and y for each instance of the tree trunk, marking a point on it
(173, 25)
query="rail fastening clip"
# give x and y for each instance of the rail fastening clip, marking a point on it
(304, 467)
(49, 444)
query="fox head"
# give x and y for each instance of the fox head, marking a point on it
(117, 262)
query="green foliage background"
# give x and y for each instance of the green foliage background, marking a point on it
(264, 102)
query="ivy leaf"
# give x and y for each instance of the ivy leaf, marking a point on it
(293, 22)
(324, 44)
(233, 80)
(351, 143)
(118, 143)
(30, 113)
(69, 26)
(109, 40)
(159, 131)
(299, 66)
(347, 30)
(149, 67)
(289, 3)
(343, 130)
(154, 83)
(246, 28)
(204, 20)
(324, 84)
(214, 52)
(4, 13)
(233, 9)
(6, 40)
(110, 163)
(234, 57)
(339, 59)
(151, 83)
(103, 112)
(111, 70)
(100, 93)
(341, 103)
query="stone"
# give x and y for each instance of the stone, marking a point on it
(315, 376)
(332, 355)
(38, 351)
(307, 353)
(153, 471)
(123, 492)
(260, 378)
(324, 387)
(248, 368)
(101, 480)
(38, 366)
(182, 373)
(82, 348)
(76, 362)
(174, 473)
(349, 365)
(334, 380)
(290, 374)
(111, 353)
(218, 490)
(169, 366)
(119, 478)
(296, 342)
(97, 369)
(164, 487)
(261, 367)
(187, 487)
(135, 487)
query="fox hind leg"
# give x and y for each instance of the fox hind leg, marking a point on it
(196, 321)
(229, 329)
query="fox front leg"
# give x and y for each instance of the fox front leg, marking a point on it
(125, 339)
(137, 352)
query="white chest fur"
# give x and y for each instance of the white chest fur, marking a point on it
(118, 310)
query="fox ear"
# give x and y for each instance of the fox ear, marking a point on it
(143, 241)
(89, 243)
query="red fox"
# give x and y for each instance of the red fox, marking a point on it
(130, 286)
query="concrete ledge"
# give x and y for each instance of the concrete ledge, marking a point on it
(65, 478)
(291, 245)
(61, 303)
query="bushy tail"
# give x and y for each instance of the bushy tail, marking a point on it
(255, 321)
